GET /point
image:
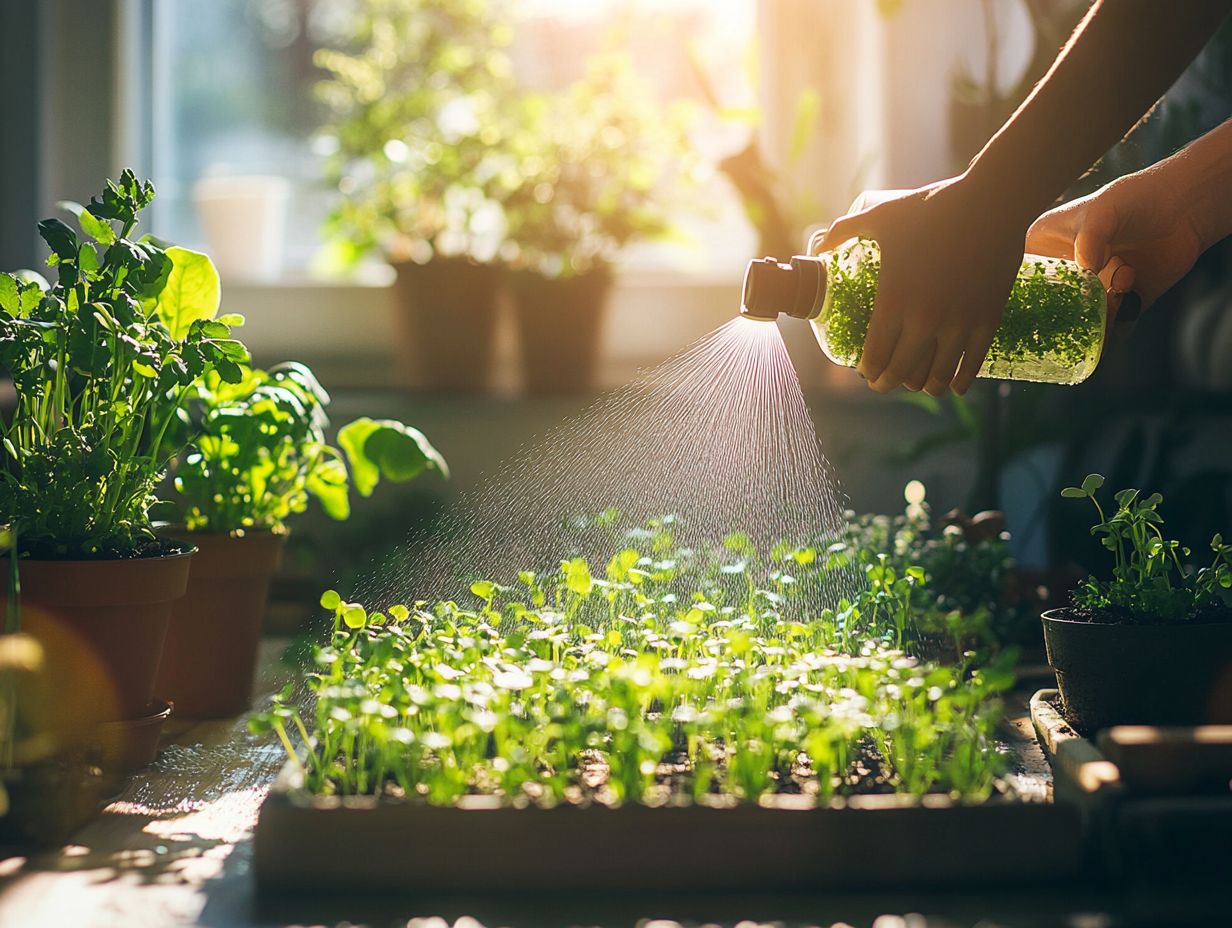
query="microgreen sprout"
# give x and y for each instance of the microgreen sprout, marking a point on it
(1150, 582)
(667, 676)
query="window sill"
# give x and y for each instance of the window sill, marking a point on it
(347, 329)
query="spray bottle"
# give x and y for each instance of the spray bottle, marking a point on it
(1052, 330)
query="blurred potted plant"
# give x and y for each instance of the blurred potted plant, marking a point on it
(1153, 644)
(258, 455)
(102, 361)
(413, 96)
(600, 165)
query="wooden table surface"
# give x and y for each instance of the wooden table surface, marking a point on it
(176, 847)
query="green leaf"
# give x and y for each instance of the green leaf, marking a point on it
(1092, 483)
(96, 228)
(387, 448)
(577, 576)
(328, 484)
(60, 238)
(192, 291)
(1073, 493)
(330, 600)
(484, 589)
(354, 616)
(233, 320)
(353, 438)
(10, 294)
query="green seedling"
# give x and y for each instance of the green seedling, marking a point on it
(657, 680)
(1150, 580)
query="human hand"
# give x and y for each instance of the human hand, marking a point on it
(948, 261)
(1137, 233)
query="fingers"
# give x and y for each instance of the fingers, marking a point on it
(945, 363)
(883, 332)
(909, 364)
(1118, 279)
(974, 352)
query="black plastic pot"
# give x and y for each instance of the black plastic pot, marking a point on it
(1116, 674)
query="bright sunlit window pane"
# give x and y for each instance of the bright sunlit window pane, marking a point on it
(235, 113)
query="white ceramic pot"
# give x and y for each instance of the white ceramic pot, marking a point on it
(244, 219)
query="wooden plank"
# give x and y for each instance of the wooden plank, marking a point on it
(178, 825)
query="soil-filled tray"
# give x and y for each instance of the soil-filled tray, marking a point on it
(871, 841)
(1151, 796)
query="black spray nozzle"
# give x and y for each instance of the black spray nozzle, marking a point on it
(772, 287)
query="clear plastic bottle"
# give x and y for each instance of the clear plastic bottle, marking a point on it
(1052, 330)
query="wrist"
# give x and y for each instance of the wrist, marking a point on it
(999, 197)
(1201, 176)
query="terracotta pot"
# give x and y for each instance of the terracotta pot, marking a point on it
(49, 801)
(560, 324)
(101, 625)
(116, 749)
(447, 319)
(1140, 674)
(211, 653)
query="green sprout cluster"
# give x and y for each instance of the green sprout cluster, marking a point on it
(673, 676)
(1051, 330)
(1150, 583)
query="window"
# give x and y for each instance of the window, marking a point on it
(233, 100)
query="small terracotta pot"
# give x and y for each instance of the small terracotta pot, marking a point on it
(211, 653)
(49, 801)
(101, 625)
(116, 749)
(560, 324)
(1111, 674)
(447, 312)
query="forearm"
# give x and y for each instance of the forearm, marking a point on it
(1202, 174)
(1121, 59)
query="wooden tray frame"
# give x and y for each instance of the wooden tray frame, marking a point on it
(365, 844)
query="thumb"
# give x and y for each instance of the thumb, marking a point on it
(1093, 243)
(1052, 234)
(853, 225)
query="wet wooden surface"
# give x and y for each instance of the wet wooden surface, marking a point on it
(176, 849)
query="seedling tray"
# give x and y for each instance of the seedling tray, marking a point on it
(1152, 798)
(869, 842)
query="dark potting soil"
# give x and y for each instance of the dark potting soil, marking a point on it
(866, 775)
(143, 548)
(1212, 615)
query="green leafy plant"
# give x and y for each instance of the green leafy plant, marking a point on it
(414, 95)
(259, 453)
(668, 675)
(965, 599)
(1150, 583)
(601, 165)
(102, 362)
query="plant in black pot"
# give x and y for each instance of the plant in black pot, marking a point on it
(414, 94)
(102, 361)
(602, 165)
(259, 454)
(1152, 644)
